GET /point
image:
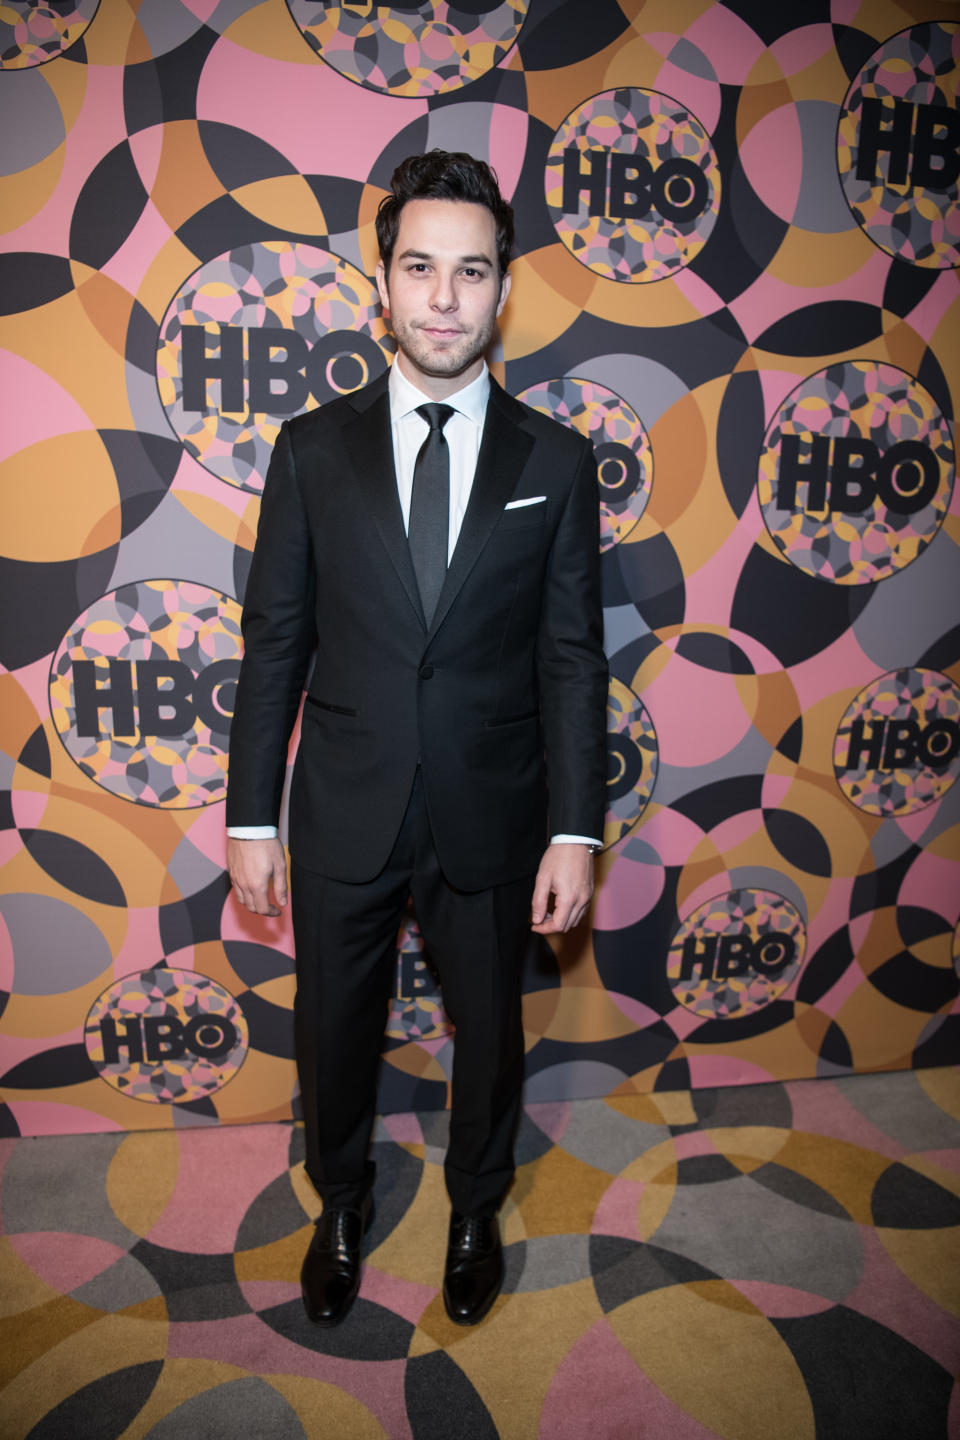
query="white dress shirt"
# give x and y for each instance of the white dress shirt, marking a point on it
(462, 433)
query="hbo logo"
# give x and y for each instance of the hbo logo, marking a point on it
(849, 474)
(923, 142)
(893, 744)
(169, 698)
(281, 370)
(156, 1038)
(720, 957)
(677, 190)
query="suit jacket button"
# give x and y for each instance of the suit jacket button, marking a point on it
(425, 672)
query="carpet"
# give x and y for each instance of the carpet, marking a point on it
(774, 1262)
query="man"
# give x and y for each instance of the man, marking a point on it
(438, 542)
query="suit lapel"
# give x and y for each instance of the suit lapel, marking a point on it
(504, 448)
(369, 441)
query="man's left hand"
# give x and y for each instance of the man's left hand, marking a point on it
(565, 877)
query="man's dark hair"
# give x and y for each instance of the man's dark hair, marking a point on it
(444, 175)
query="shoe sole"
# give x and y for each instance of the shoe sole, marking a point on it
(479, 1314)
(322, 1322)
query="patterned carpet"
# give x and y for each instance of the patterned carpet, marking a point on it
(778, 1262)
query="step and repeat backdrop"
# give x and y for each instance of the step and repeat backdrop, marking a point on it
(736, 272)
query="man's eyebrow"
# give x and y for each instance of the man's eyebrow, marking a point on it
(462, 259)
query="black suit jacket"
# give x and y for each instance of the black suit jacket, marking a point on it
(504, 694)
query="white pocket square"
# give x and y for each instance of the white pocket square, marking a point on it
(530, 500)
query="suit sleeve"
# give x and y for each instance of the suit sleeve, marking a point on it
(278, 634)
(571, 663)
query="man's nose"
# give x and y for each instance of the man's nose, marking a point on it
(444, 295)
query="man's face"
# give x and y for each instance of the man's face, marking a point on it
(443, 293)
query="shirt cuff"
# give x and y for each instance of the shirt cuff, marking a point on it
(269, 832)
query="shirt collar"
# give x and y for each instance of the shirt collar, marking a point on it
(471, 401)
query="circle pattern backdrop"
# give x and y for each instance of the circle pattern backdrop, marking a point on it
(411, 50)
(632, 761)
(32, 33)
(624, 456)
(166, 1036)
(736, 953)
(897, 146)
(250, 308)
(898, 745)
(162, 659)
(633, 185)
(856, 473)
(736, 272)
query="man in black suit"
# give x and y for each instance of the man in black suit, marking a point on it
(438, 543)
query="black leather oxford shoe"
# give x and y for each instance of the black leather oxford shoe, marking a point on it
(474, 1271)
(330, 1276)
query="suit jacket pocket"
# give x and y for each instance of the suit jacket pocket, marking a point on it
(501, 724)
(511, 750)
(347, 710)
(523, 517)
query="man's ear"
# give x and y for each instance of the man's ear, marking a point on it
(382, 287)
(505, 284)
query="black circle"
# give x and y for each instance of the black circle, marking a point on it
(622, 777)
(612, 455)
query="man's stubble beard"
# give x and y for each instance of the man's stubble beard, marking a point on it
(444, 362)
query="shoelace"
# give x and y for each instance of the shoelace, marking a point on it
(338, 1232)
(472, 1231)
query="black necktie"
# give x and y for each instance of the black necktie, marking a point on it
(429, 528)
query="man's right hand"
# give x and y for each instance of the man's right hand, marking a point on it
(257, 867)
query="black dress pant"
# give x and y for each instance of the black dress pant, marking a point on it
(346, 938)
